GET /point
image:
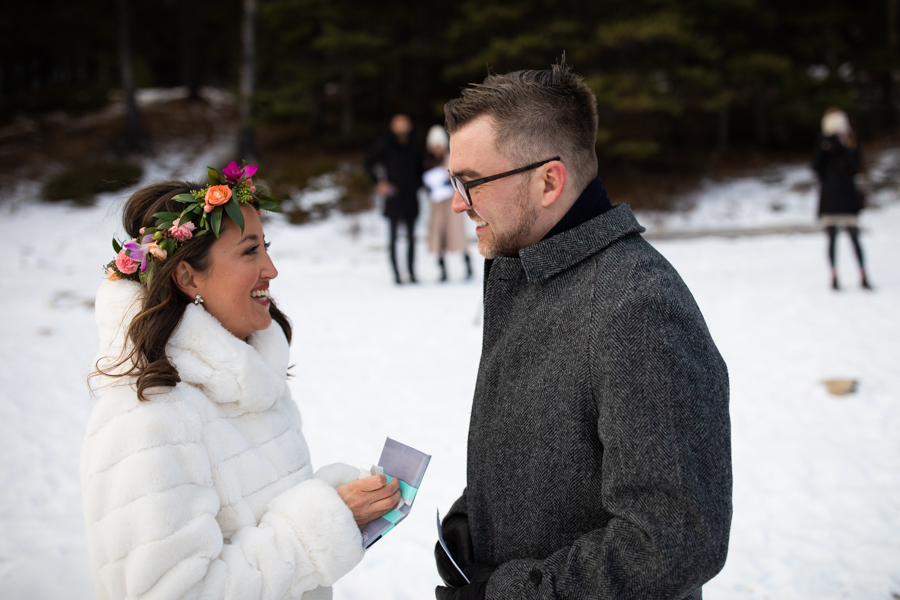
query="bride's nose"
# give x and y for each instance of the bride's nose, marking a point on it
(268, 270)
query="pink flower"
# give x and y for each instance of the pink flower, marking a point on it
(154, 249)
(138, 252)
(141, 230)
(182, 232)
(253, 188)
(207, 208)
(125, 263)
(233, 174)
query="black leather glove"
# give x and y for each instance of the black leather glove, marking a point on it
(473, 591)
(459, 542)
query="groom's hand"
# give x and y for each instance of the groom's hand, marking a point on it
(459, 542)
(479, 574)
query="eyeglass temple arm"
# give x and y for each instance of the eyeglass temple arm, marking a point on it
(474, 182)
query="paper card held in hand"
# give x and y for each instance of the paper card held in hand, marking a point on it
(408, 465)
(446, 549)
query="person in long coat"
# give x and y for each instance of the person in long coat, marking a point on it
(395, 167)
(599, 445)
(196, 478)
(836, 162)
(446, 230)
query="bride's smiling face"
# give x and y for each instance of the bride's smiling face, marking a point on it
(235, 287)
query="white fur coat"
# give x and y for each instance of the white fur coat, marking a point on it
(206, 490)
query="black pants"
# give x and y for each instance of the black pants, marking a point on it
(411, 246)
(853, 232)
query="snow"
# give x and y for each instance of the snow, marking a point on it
(817, 477)
(783, 196)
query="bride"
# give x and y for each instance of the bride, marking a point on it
(195, 475)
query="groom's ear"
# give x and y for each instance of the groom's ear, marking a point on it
(554, 179)
(184, 278)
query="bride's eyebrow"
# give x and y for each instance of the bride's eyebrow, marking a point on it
(249, 237)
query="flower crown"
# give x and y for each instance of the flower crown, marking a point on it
(205, 208)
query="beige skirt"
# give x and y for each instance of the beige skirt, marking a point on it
(839, 221)
(447, 230)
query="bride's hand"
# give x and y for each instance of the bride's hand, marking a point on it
(371, 497)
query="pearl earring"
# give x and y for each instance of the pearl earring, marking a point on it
(198, 300)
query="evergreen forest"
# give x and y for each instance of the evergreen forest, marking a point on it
(676, 80)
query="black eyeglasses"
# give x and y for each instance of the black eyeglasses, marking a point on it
(463, 187)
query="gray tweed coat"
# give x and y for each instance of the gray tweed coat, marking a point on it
(599, 459)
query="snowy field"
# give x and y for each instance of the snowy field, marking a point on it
(817, 477)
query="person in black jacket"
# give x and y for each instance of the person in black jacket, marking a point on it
(836, 161)
(395, 167)
(599, 446)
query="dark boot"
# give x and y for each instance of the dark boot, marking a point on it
(468, 266)
(397, 279)
(443, 268)
(411, 256)
(392, 248)
(834, 280)
(865, 280)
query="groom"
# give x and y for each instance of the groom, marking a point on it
(599, 459)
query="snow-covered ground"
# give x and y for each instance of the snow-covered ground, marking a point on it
(817, 477)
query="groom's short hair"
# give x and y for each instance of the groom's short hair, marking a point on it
(536, 115)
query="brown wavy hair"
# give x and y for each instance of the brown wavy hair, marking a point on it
(163, 303)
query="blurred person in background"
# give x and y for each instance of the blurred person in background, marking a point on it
(837, 161)
(599, 446)
(401, 161)
(196, 478)
(446, 230)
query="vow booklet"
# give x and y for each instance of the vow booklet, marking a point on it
(408, 465)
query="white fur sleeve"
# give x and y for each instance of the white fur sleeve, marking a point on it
(337, 474)
(150, 510)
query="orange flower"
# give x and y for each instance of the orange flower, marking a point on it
(218, 194)
(111, 274)
(156, 251)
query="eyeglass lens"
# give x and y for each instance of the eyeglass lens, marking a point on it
(461, 188)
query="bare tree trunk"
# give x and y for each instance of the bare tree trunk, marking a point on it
(892, 23)
(722, 128)
(190, 71)
(762, 121)
(247, 140)
(315, 115)
(888, 77)
(134, 139)
(347, 109)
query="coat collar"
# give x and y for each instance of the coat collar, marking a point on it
(552, 256)
(249, 376)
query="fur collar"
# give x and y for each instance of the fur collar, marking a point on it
(245, 376)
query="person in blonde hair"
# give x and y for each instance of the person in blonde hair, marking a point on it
(837, 160)
(446, 230)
